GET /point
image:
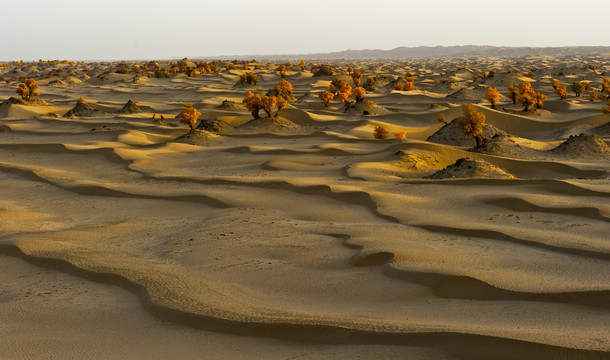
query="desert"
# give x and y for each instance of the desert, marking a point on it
(312, 208)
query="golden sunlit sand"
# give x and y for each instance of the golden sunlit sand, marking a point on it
(374, 228)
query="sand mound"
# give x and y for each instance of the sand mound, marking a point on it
(468, 94)
(309, 97)
(57, 83)
(583, 146)
(602, 130)
(269, 124)
(13, 100)
(130, 108)
(215, 126)
(199, 137)
(505, 145)
(450, 134)
(364, 107)
(232, 105)
(469, 168)
(83, 108)
(438, 107)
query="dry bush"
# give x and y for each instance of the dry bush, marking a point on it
(268, 103)
(562, 91)
(326, 98)
(189, 115)
(472, 123)
(254, 103)
(28, 89)
(380, 132)
(593, 95)
(401, 135)
(359, 93)
(578, 88)
(493, 96)
(555, 84)
(356, 76)
(442, 119)
(249, 78)
(281, 104)
(512, 94)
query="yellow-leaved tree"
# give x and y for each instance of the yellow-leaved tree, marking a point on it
(189, 115)
(472, 123)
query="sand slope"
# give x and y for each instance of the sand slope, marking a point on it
(302, 235)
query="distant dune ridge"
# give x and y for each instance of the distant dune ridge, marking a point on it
(446, 51)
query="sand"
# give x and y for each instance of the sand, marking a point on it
(125, 235)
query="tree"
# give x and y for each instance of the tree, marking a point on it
(593, 95)
(281, 104)
(302, 64)
(28, 89)
(472, 123)
(248, 78)
(254, 104)
(269, 103)
(282, 70)
(562, 91)
(492, 96)
(512, 94)
(380, 132)
(358, 93)
(326, 98)
(344, 91)
(578, 88)
(606, 85)
(189, 115)
(356, 76)
(555, 84)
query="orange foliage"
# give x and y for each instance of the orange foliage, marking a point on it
(525, 88)
(562, 91)
(512, 94)
(401, 135)
(380, 132)
(492, 96)
(472, 123)
(189, 115)
(302, 64)
(356, 76)
(332, 88)
(555, 84)
(283, 84)
(28, 89)
(343, 96)
(326, 98)
(248, 78)
(268, 103)
(370, 80)
(358, 93)
(281, 104)
(350, 70)
(253, 102)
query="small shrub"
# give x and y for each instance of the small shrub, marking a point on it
(189, 115)
(268, 103)
(28, 89)
(493, 96)
(401, 135)
(442, 119)
(326, 98)
(254, 103)
(578, 88)
(356, 76)
(281, 104)
(380, 132)
(555, 84)
(302, 64)
(472, 123)
(562, 91)
(593, 95)
(512, 94)
(359, 93)
(248, 78)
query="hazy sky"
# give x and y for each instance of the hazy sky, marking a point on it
(135, 29)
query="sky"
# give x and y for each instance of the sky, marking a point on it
(143, 30)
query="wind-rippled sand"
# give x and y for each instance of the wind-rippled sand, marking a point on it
(304, 237)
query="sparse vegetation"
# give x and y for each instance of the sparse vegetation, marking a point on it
(493, 96)
(28, 88)
(472, 123)
(248, 78)
(380, 132)
(189, 115)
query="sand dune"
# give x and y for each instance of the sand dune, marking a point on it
(301, 235)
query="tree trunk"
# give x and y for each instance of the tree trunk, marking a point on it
(479, 139)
